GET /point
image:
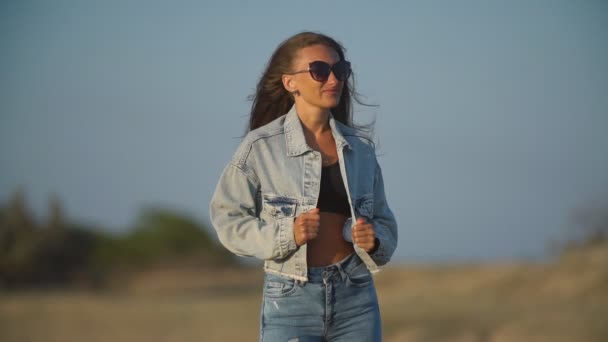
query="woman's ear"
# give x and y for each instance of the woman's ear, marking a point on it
(289, 83)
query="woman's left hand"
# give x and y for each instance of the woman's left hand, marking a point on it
(363, 235)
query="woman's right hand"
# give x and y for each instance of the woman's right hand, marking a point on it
(306, 226)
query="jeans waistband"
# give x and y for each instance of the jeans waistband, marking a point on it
(340, 269)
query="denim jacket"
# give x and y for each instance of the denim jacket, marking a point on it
(274, 176)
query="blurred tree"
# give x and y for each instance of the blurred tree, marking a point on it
(162, 235)
(591, 221)
(16, 239)
(59, 251)
(56, 217)
(17, 215)
(35, 254)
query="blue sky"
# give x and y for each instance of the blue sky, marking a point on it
(491, 120)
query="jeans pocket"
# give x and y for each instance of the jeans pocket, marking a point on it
(276, 286)
(359, 276)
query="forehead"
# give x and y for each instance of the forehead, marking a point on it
(316, 53)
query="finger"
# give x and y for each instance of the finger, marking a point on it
(311, 213)
(366, 246)
(363, 239)
(360, 220)
(365, 243)
(362, 236)
(311, 223)
(315, 217)
(363, 227)
(311, 234)
(307, 216)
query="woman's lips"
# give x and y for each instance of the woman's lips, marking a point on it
(333, 91)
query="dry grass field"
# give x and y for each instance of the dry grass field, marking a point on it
(566, 300)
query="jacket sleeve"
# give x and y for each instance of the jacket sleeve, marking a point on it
(233, 214)
(384, 223)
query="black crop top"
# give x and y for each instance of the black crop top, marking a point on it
(332, 196)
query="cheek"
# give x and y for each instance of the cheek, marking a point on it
(311, 89)
(312, 84)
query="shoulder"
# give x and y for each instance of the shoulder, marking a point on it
(256, 136)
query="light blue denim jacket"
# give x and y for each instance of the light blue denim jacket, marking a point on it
(274, 176)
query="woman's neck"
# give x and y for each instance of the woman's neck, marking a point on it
(315, 120)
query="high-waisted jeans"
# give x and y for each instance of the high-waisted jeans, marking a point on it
(338, 303)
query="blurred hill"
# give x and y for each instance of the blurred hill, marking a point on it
(563, 300)
(166, 279)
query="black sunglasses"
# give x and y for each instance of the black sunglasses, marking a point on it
(319, 70)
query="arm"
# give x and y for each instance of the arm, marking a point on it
(233, 215)
(384, 223)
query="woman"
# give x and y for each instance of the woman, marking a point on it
(304, 193)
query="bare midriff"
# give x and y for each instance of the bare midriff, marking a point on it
(329, 246)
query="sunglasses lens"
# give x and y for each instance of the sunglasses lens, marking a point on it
(320, 71)
(342, 70)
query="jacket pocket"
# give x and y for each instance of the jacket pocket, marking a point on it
(364, 206)
(279, 206)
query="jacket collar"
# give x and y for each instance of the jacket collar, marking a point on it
(294, 134)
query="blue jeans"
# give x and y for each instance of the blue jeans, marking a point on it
(338, 303)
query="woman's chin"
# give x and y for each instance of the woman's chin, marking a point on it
(331, 103)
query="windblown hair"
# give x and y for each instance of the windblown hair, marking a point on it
(271, 99)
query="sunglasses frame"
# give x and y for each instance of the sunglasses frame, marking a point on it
(331, 69)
